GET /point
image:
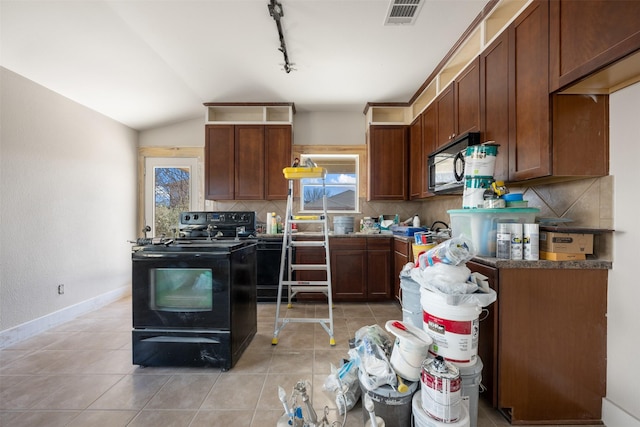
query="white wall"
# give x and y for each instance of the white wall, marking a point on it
(67, 203)
(309, 128)
(622, 404)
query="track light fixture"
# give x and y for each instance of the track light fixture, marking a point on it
(276, 12)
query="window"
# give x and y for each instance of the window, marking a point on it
(170, 188)
(341, 184)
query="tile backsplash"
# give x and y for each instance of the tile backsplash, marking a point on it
(587, 202)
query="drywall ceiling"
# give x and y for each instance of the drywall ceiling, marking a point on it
(147, 63)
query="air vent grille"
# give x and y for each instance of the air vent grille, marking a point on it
(403, 12)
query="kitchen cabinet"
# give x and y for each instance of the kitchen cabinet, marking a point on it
(421, 144)
(402, 254)
(494, 101)
(549, 136)
(586, 36)
(360, 268)
(529, 123)
(387, 151)
(245, 161)
(547, 361)
(458, 106)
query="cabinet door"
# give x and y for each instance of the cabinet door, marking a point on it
(277, 157)
(580, 135)
(379, 269)
(349, 269)
(219, 149)
(401, 256)
(249, 162)
(429, 131)
(467, 99)
(445, 116)
(388, 165)
(310, 255)
(417, 166)
(529, 128)
(588, 35)
(494, 101)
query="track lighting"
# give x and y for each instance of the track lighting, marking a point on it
(276, 12)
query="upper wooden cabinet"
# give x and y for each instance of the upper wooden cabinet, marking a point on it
(494, 101)
(245, 162)
(421, 143)
(588, 35)
(388, 164)
(458, 105)
(555, 136)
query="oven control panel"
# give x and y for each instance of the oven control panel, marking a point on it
(223, 218)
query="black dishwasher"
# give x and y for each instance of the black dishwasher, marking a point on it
(269, 252)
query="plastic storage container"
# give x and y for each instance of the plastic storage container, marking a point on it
(343, 224)
(480, 225)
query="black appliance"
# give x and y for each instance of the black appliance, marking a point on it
(194, 302)
(269, 257)
(225, 225)
(446, 165)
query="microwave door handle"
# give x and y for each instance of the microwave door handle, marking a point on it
(458, 159)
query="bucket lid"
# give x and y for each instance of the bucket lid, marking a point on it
(409, 332)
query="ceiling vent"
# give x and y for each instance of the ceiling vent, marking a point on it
(403, 12)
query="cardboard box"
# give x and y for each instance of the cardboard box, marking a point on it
(568, 243)
(560, 256)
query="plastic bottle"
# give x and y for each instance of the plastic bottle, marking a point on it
(416, 220)
(274, 223)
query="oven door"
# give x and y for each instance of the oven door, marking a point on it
(181, 290)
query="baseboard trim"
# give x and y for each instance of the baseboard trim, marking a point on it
(614, 416)
(34, 327)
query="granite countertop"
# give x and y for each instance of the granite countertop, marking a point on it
(582, 264)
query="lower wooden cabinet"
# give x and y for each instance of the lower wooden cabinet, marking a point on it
(361, 268)
(402, 254)
(543, 345)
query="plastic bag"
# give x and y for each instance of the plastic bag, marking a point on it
(371, 354)
(456, 284)
(343, 383)
(454, 251)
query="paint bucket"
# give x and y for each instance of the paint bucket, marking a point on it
(453, 328)
(342, 224)
(389, 404)
(441, 388)
(471, 377)
(422, 419)
(473, 193)
(409, 349)
(410, 299)
(480, 160)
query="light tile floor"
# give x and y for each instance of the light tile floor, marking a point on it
(80, 374)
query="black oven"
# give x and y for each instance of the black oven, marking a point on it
(194, 303)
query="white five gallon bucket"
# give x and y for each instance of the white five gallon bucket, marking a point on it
(409, 349)
(422, 419)
(453, 328)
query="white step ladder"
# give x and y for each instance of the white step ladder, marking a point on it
(287, 261)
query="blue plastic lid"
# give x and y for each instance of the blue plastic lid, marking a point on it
(512, 197)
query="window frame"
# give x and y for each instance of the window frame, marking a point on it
(318, 158)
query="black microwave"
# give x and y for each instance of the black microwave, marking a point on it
(446, 165)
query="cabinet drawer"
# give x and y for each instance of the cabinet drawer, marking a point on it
(379, 243)
(342, 243)
(401, 246)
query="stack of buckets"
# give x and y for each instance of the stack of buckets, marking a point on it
(451, 375)
(479, 166)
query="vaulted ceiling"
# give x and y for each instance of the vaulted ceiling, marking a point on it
(147, 63)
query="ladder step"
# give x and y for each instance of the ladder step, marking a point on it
(306, 283)
(308, 267)
(308, 289)
(307, 243)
